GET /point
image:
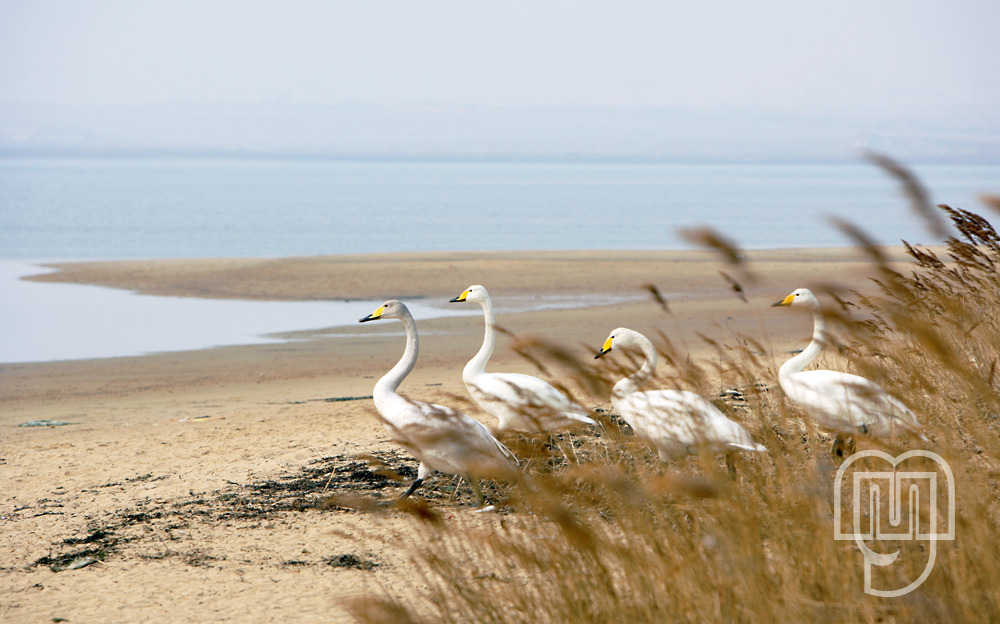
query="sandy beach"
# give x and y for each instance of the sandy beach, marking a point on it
(160, 474)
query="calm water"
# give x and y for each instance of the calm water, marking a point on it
(162, 208)
(46, 322)
(105, 322)
(110, 209)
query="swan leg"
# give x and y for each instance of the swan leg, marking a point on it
(476, 493)
(413, 487)
(731, 466)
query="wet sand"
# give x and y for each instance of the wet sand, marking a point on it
(154, 475)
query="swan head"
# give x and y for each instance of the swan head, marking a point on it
(392, 309)
(621, 337)
(800, 297)
(474, 293)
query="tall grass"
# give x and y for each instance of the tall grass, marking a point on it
(614, 536)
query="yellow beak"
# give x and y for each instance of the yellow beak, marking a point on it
(787, 301)
(374, 316)
(606, 348)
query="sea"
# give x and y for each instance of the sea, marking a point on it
(55, 209)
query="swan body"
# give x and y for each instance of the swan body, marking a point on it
(520, 402)
(843, 403)
(440, 437)
(675, 422)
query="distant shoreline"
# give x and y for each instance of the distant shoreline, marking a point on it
(436, 130)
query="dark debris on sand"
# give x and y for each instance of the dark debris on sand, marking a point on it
(159, 529)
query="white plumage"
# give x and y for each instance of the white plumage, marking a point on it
(675, 422)
(440, 437)
(520, 402)
(840, 402)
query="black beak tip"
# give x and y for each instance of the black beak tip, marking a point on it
(455, 300)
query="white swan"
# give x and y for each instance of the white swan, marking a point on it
(520, 402)
(842, 403)
(441, 438)
(675, 422)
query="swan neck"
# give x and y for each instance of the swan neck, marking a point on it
(630, 384)
(477, 364)
(390, 382)
(800, 361)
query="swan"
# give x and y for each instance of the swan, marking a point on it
(441, 438)
(520, 402)
(675, 422)
(843, 403)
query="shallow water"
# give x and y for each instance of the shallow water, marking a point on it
(48, 322)
(45, 322)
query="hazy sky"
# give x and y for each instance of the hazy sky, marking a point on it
(872, 58)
